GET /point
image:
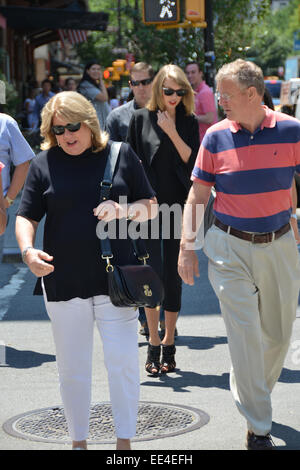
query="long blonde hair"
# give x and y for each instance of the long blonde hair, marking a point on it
(72, 107)
(177, 74)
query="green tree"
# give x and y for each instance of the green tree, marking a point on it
(272, 40)
(234, 26)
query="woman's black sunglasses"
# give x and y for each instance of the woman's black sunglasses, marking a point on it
(170, 91)
(60, 130)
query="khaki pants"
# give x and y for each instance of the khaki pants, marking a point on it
(258, 287)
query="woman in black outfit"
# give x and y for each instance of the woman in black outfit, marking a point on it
(166, 138)
(63, 183)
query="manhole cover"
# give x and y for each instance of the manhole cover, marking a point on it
(155, 421)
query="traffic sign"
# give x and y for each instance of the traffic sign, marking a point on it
(161, 11)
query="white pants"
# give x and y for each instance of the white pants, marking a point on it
(257, 286)
(72, 324)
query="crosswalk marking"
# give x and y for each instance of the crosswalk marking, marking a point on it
(11, 289)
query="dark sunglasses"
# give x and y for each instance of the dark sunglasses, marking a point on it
(144, 82)
(60, 130)
(170, 91)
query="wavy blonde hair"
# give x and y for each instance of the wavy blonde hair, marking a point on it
(177, 74)
(71, 107)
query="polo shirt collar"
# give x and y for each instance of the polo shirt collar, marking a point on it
(269, 121)
(199, 86)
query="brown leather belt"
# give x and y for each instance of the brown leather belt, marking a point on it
(253, 237)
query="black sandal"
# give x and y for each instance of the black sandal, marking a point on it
(153, 365)
(168, 363)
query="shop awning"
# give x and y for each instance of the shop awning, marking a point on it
(25, 18)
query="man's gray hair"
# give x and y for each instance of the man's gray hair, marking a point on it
(246, 73)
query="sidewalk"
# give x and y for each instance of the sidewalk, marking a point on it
(201, 381)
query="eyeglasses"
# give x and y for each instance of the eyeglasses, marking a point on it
(227, 96)
(170, 91)
(224, 96)
(144, 82)
(60, 130)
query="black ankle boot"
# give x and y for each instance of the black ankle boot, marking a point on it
(153, 365)
(168, 363)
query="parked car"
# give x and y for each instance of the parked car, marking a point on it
(274, 87)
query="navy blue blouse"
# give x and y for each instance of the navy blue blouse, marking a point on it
(66, 189)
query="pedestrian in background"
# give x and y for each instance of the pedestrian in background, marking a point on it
(250, 157)
(14, 152)
(70, 84)
(113, 101)
(64, 184)
(205, 106)
(15, 157)
(165, 136)
(41, 99)
(140, 83)
(29, 105)
(93, 88)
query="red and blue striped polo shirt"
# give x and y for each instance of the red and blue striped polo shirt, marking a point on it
(252, 173)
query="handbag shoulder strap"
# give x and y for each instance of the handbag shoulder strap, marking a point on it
(112, 159)
(106, 185)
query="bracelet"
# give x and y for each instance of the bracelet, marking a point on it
(294, 216)
(130, 215)
(24, 252)
(9, 200)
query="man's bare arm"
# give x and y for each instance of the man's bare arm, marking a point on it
(192, 217)
(18, 179)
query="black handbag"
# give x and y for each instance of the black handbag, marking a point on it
(130, 285)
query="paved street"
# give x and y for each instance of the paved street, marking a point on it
(29, 378)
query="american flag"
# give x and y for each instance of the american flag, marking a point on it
(75, 36)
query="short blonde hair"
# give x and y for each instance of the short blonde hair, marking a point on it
(72, 107)
(245, 73)
(177, 74)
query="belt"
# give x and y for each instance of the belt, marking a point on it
(253, 237)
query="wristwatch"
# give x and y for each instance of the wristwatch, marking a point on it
(294, 216)
(24, 252)
(9, 200)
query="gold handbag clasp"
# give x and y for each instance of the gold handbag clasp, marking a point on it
(109, 267)
(144, 258)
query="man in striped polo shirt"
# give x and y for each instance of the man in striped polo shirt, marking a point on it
(250, 158)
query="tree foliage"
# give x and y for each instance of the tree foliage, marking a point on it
(243, 28)
(272, 41)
